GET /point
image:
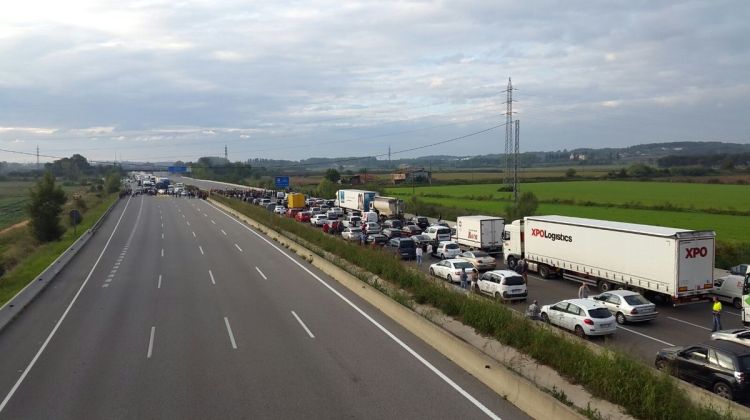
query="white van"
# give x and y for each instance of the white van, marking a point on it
(370, 217)
(438, 233)
(729, 289)
(503, 285)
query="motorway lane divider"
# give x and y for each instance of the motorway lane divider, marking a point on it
(13, 307)
(507, 380)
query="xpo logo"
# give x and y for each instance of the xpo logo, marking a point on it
(696, 252)
(551, 236)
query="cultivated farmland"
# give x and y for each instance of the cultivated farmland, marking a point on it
(14, 195)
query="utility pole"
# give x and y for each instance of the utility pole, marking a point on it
(389, 156)
(226, 153)
(515, 164)
(510, 169)
(37, 157)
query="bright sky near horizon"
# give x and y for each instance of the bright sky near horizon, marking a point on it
(163, 80)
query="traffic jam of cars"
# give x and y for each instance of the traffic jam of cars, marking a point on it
(489, 257)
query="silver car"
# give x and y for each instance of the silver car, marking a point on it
(740, 335)
(627, 306)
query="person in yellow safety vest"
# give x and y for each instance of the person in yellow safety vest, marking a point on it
(717, 314)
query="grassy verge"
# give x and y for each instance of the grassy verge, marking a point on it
(612, 376)
(39, 257)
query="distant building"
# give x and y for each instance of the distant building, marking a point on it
(576, 156)
(411, 176)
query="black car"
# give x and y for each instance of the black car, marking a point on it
(720, 366)
(392, 233)
(405, 248)
(393, 224)
(376, 238)
(421, 221)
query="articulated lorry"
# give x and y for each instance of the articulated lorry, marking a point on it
(675, 265)
(480, 232)
(388, 207)
(355, 199)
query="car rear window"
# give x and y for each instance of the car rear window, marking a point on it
(513, 281)
(744, 363)
(480, 254)
(463, 264)
(443, 230)
(421, 220)
(636, 300)
(451, 246)
(407, 244)
(599, 313)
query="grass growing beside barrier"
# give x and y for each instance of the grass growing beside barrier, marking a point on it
(614, 377)
(42, 256)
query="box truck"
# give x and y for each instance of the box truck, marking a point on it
(480, 232)
(295, 201)
(674, 264)
(355, 199)
(388, 207)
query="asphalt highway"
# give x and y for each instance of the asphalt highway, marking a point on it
(683, 325)
(176, 310)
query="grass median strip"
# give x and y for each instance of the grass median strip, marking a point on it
(615, 377)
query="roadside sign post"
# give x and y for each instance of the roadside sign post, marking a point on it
(281, 182)
(75, 219)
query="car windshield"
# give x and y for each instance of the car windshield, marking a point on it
(599, 313)
(513, 281)
(463, 264)
(451, 246)
(636, 300)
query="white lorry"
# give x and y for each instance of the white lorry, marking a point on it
(355, 199)
(388, 207)
(480, 232)
(665, 263)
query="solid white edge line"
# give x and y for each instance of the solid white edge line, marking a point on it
(398, 341)
(151, 343)
(158, 286)
(238, 247)
(689, 323)
(644, 335)
(261, 273)
(231, 336)
(212, 276)
(303, 325)
(62, 317)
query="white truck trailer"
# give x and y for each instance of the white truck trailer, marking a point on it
(661, 262)
(388, 207)
(355, 199)
(480, 232)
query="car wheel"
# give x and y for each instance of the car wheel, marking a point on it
(450, 279)
(497, 295)
(432, 272)
(723, 390)
(579, 331)
(442, 256)
(661, 364)
(545, 318)
(605, 286)
(511, 263)
(620, 318)
(737, 302)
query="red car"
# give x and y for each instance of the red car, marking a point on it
(293, 213)
(303, 216)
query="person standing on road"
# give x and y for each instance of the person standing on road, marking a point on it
(474, 279)
(429, 249)
(717, 314)
(583, 291)
(419, 256)
(464, 278)
(533, 311)
(522, 268)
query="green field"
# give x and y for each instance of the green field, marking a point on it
(684, 195)
(727, 227)
(14, 195)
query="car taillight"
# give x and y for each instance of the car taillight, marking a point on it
(739, 376)
(588, 321)
(634, 311)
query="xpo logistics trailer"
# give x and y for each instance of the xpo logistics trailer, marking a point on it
(480, 232)
(664, 263)
(355, 199)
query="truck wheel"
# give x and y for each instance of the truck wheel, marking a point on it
(511, 263)
(544, 271)
(620, 318)
(605, 286)
(580, 332)
(737, 302)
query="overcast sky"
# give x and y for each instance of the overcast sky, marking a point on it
(166, 80)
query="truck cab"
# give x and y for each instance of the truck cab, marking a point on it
(513, 243)
(746, 298)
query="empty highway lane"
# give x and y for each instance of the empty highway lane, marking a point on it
(176, 310)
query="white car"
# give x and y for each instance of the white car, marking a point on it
(627, 306)
(353, 221)
(318, 219)
(740, 335)
(438, 233)
(352, 233)
(583, 316)
(371, 228)
(447, 249)
(280, 210)
(451, 269)
(503, 284)
(336, 211)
